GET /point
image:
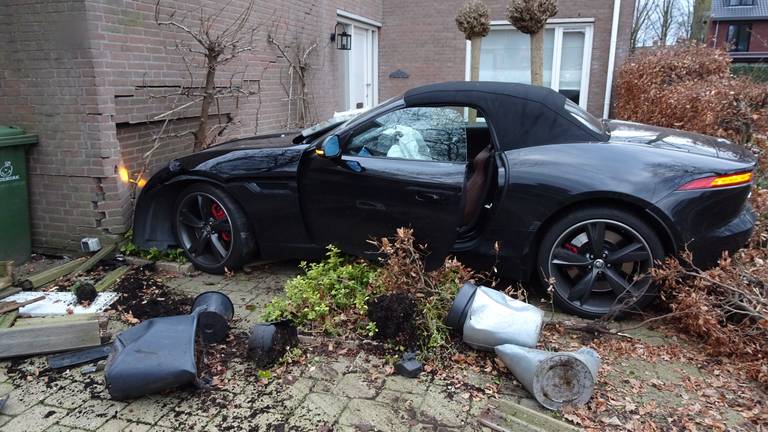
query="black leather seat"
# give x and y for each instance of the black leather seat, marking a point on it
(477, 186)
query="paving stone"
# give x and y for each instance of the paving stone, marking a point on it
(3, 372)
(368, 415)
(355, 386)
(318, 409)
(440, 410)
(148, 409)
(116, 425)
(184, 422)
(205, 404)
(408, 402)
(5, 388)
(408, 385)
(70, 395)
(92, 414)
(325, 371)
(34, 419)
(21, 399)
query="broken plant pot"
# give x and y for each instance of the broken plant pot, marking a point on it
(215, 312)
(269, 342)
(488, 318)
(159, 354)
(555, 379)
(409, 366)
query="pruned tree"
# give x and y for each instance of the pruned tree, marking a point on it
(298, 55)
(210, 44)
(474, 21)
(530, 17)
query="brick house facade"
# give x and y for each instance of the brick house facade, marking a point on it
(86, 74)
(741, 28)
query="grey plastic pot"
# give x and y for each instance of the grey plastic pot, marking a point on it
(215, 311)
(496, 319)
(555, 379)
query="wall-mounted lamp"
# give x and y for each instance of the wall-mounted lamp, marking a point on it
(343, 40)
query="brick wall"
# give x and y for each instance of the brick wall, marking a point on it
(758, 40)
(49, 87)
(422, 39)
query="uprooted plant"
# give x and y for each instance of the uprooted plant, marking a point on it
(398, 302)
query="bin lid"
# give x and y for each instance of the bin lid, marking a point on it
(14, 136)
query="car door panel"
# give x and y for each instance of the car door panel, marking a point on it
(349, 207)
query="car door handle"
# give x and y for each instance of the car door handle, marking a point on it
(429, 196)
(370, 205)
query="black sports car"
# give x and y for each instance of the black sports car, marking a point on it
(588, 205)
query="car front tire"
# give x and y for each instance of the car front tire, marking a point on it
(598, 261)
(212, 229)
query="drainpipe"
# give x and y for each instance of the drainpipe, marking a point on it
(611, 57)
(714, 41)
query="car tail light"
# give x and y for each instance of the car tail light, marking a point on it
(718, 181)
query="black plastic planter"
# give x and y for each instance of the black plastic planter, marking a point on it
(270, 341)
(216, 311)
(460, 307)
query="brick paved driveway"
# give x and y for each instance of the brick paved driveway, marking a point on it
(337, 391)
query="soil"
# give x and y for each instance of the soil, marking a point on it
(265, 353)
(395, 318)
(143, 295)
(85, 292)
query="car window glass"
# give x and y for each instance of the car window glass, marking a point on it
(418, 133)
(584, 117)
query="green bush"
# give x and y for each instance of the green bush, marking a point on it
(328, 294)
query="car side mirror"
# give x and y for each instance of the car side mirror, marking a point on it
(330, 148)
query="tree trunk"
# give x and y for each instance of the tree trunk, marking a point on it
(474, 70)
(537, 58)
(201, 136)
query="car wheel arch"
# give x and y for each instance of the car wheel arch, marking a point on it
(153, 218)
(659, 227)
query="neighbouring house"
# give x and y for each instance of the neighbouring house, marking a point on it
(740, 27)
(85, 75)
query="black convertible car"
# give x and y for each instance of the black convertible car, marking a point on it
(586, 204)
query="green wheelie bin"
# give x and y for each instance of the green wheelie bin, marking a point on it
(15, 237)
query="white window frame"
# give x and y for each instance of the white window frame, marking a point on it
(560, 25)
(353, 21)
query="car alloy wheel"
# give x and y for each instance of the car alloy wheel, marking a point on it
(600, 265)
(204, 228)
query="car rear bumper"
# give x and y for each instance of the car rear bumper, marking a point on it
(708, 248)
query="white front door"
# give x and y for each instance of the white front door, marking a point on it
(360, 73)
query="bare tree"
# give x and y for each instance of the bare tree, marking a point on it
(211, 44)
(684, 21)
(640, 23)
(474, 21)
(530, 17)
(297, 53)
(664, 16)
(699, 19)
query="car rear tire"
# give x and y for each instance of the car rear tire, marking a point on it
(598, 261)
(212, 229)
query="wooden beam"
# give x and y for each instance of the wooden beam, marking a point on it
(110, 278)
(95, 258)
(54, 320)
(8, 306)
(6, 274)
(49, 338)
(9, 292)
(7, 319)
(50, 275)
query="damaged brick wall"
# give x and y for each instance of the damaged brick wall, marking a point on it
(49, 87)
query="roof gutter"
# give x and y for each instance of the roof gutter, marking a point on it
(611, 57)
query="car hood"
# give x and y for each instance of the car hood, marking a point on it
(284, 139)
(673, 139)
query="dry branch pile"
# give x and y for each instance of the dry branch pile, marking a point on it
(690, 87)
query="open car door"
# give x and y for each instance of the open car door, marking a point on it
(405, 168)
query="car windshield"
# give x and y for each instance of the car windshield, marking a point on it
(585, 118)
(319, 131)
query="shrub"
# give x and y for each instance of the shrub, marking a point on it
(329, 294)
(690, 87)
(757, 72)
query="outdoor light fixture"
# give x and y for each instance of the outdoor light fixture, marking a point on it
(343, 40)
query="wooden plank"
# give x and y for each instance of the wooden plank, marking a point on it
(6, 274)
(110, 278)
(9, 292)
(8, 306)
(7, 319)
(50, 275)
(46, 339)
(54, 320)
(95, 258)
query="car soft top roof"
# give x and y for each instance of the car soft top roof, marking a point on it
(520, 115)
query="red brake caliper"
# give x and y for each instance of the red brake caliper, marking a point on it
(219, 214)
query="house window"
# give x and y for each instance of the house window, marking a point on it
(505, 56)
(741, 2)
(738, 37)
